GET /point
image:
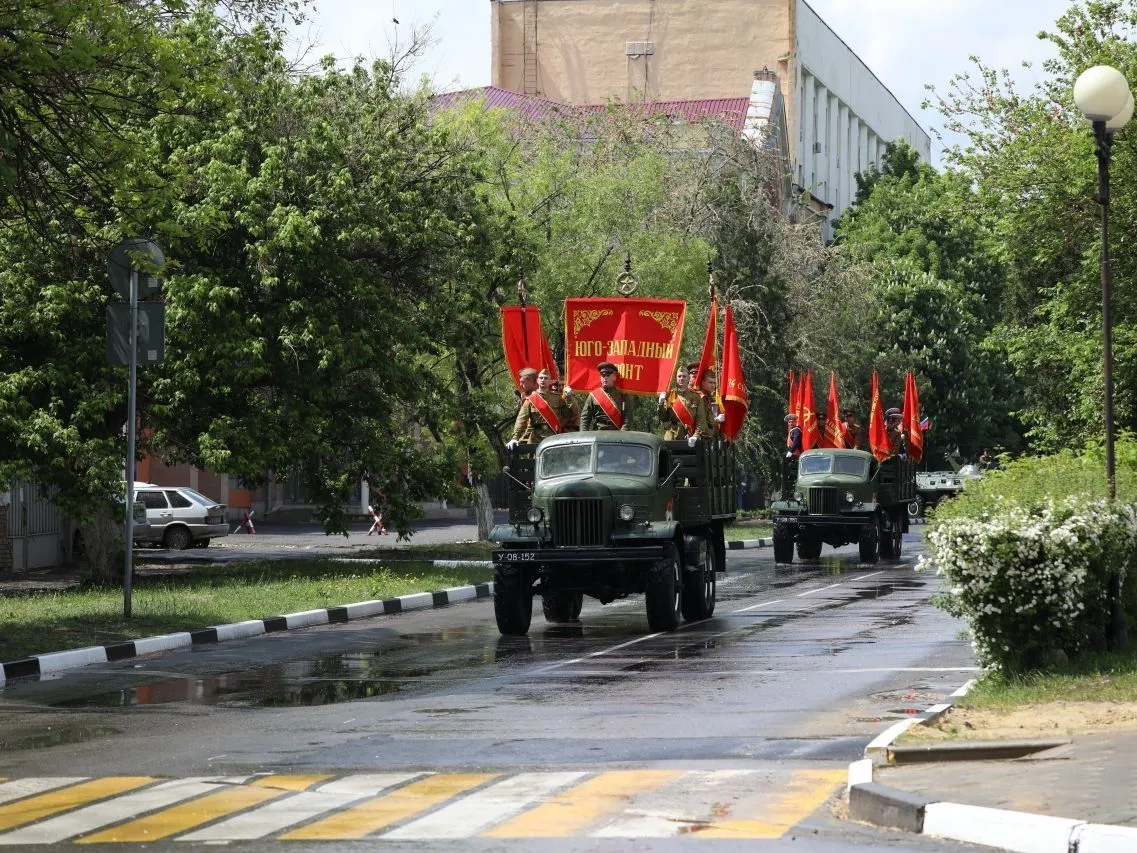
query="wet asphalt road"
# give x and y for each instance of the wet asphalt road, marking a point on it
(760, 707)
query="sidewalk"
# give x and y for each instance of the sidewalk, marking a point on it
(1078, 797)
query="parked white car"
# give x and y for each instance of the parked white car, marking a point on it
(180, 517)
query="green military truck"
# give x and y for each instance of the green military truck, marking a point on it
(840, 496)
(610, 514)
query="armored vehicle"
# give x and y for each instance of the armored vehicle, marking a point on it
(843, 496)
(609, 514)
(933, 487)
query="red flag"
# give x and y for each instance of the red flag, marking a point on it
(833, 437)
(736, 402)
(524, 340)
(878, 436)
(709, 358)
(810, 437)
(912, 431)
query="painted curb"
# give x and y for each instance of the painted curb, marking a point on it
(740, 544)
(1004, 829)
(54, 662)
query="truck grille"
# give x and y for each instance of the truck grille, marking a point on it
(578, 521)
(823, 500)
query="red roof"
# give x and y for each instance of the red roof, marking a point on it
(732, 111)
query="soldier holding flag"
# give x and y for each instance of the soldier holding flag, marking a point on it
(542, 414)
(684, 411)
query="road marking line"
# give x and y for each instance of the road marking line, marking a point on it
(121, 808)
(756, 606)
(375, 814)
(808, 789)
(577, 808)
(17, 789)
(45, 805)
(819, 589)
(484, 808)
(289, 811)
(178, 819)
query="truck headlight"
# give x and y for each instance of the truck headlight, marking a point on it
(799, 497)
(535, 514)
(627, 512)
(850, 497)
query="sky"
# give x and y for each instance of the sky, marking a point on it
(906, 43)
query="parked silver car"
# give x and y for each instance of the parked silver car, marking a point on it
(180, 517)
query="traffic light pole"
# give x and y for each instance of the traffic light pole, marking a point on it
(128, 566)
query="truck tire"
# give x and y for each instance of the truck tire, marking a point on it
(717, 543)
(664, 591)
(869, 542)
(699, 586)
(512, 603)
(809, 547)
(783, 545)
(562, 606)
(916, 508)
(891, 540)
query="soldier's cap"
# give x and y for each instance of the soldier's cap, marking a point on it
(790, 417)
(607, 367)
(693, 367)
(710, 371)
(849, 413)
(545, 372)
(821, 416)
(893, 413)
(527, 371)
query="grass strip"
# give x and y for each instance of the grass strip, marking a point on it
(1102, 677)
(201, 596)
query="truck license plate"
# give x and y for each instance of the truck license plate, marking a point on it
(517, 556)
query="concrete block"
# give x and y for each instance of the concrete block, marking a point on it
(1011, 830)
(59, 661)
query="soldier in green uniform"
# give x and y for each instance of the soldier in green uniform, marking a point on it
(896, 440)
(607, 407)
(542, 414)
(683, 411)
(570, 401)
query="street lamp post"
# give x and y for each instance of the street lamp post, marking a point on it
(1102, 94)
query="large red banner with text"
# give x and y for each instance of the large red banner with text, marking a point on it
(640, 336)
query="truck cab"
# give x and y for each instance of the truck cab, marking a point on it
(609, 514)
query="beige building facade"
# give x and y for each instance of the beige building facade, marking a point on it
(839, 115)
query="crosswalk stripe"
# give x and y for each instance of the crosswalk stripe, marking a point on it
(808, 789)
(289, 783)
(572, 811)
(375, 814)
(44, 805)
(281, 814)
(17, 789)
(484, 808)
(180, 818)
(93, 817)
(705, 793)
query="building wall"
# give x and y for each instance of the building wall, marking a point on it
(839, 115)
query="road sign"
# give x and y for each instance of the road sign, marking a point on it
(139, 254)
(151, 333)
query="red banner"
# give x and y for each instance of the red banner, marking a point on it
(833, 435)
(879, 444)
(524, 341)
(709, 358)
(736, 402)
(810, 435)
(640, 336)
(911, 422)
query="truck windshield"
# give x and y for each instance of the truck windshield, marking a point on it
(623, 459)
(833, 465)
(566, 459)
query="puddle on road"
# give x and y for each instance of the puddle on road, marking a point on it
(327, 680)
(53, 736)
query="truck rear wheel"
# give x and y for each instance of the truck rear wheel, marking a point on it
(869, 542)
(664, 592)
(562, 606)
(512, 603)
(783, 545)
(809, 547)
(699, 586)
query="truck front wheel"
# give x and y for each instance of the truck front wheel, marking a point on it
(809, 547)
(699, 586)
(562, 606)
(869, 542)
(783, 545)
(512, 602)
(664, 592)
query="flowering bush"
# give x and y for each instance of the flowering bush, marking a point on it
(1031, 581)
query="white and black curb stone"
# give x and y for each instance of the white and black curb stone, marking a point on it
(38, 665)
(749, 543)
(1001, 828)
